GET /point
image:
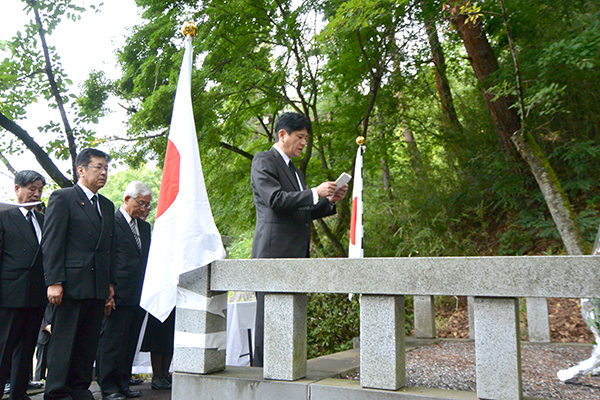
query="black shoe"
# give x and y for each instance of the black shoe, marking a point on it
(113, 396)
(169, 378)
(160, 384)
(135, 381)
(130, 393)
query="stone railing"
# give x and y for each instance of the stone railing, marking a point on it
(494, 283)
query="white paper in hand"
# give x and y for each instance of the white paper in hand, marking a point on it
(342, 180)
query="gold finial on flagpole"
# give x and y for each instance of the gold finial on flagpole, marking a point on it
(190, 29)
(360, 140)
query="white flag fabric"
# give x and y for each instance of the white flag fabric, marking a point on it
(355, 249)
(185, 236)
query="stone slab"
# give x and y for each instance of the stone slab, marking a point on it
(198, 281)
(285, 336)
(198, 360)
(197, 321)
(236, 383)
(382, 345)
(335, 389)
(498, 348)
(538, 320)
(471, 310)
(424, 312)
(524, 276)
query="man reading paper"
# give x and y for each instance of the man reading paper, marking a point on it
(285, 205)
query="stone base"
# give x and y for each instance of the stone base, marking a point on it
(239, 383)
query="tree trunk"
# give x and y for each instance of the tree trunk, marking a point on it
(556, 199)
(40, 154)
(415, 155)
(55, 92)
(441, 81)
(8, 164)
(484, 63)
(337, 246)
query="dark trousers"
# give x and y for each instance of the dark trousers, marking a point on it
(41, 356)
(116, 349)
(259, 330)
(72, 349)
(18, 335)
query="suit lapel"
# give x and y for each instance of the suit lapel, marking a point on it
(285, 168)
(23, 226)
(88, 208)
(122, 223)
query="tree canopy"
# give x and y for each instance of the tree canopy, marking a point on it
(459, 137)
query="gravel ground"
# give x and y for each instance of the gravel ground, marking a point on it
(451, 365)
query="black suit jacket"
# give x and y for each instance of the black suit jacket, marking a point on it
(283, 210)
(130, 262)
(78, 246)
(21, 271)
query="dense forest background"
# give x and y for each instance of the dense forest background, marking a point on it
(442, 176)
(481, 119)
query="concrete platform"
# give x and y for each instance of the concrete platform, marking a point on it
(147, 392)
(320, 383)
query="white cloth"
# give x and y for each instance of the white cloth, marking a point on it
(240, 318)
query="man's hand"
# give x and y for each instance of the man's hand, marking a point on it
(109, 306)
(339, 194)
(111, 292)
(48, 328)
(110, 302)
(55, 294)
(326, 189)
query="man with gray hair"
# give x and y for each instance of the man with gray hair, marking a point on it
(22, 288)
(121, 325)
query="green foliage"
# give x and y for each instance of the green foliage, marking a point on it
(117, 183)
(333, 320)
(95, 92)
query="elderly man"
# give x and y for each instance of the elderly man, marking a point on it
(284, 204)
(121, 327)
(79, 266)
(22, 289)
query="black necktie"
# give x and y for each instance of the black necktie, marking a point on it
(30, 218)
(95, 204)
(291, 166)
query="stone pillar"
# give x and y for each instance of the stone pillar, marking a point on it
(471, 310)
(424, 317)
(538, 320)
(382, 346)
(498, 348)
(285, 336)
(200, 324)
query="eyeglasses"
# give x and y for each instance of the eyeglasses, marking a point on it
(143, 204)
(97, 167)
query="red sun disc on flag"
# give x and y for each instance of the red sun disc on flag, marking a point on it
(169, 186)
(353, 221)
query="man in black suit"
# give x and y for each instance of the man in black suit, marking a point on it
(121, 328)
(79, 266)
(285, 205)
(22, 289)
